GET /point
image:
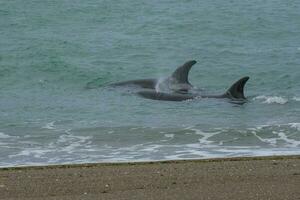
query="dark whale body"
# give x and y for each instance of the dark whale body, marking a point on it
(178, 88)
(235, 92)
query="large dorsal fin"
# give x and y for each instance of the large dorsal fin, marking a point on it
(181, 73)
(236, 91)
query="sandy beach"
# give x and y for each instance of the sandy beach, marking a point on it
(232, 178)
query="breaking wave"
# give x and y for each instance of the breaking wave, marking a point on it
(148, 144)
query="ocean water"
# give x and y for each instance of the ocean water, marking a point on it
(57, 56)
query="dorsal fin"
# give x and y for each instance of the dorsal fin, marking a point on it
(181, 73)
(236, 91)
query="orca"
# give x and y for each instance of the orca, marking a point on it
(235, 93)
(178, 88)
(177, 82)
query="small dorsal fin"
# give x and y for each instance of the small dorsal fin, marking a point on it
(181, 73)
(236, 91)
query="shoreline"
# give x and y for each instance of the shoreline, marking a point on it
(266, 177)
(99, 164)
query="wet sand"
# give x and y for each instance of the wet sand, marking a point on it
(234, 178)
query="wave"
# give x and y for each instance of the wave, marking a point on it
(281, 135)
(49, 126)
(4, 136)
(296, 98)
(277, 138)
(272, 99)
(295, 125)
(142, 143)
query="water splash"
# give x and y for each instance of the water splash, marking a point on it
(272, 99)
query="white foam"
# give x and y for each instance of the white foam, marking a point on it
(72, 143)
(205, 136)
(291, 142)
(151, 148)
(5, 136)
(272, 99)
(169, 135)
(280, 136)
(49, 126)
(72, 147)
(295, 125)
(296, 98)
(35, 152)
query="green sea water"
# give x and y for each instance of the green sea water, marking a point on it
(57, 56)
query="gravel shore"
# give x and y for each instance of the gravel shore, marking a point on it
(264, 178)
